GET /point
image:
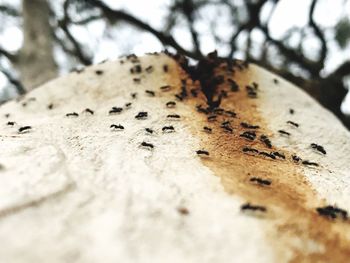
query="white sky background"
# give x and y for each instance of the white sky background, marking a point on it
(288, 14)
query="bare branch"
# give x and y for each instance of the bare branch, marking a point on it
(9, 10)
(343, 70)
(115, 15)
(319, 34)
(10, 56)
(14, 81)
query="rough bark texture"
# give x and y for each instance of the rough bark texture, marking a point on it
(36, 63)
(74, 190)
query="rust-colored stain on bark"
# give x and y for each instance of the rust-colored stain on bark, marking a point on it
(296, 231)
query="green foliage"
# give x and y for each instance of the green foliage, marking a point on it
(342, 32)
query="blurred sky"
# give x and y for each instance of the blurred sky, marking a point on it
(288, 14)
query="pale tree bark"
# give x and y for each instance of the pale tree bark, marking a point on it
(36, 63)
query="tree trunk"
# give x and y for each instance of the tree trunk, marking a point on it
(36, 62)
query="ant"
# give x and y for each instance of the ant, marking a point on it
(50, 106)
(72, 114)
(249, 126)
(306, 162)
(248, 149)
(234, 85)
(248, 206)
(201, 109)
(165, 68)
(166, 88)
(250, 135)
(231, 113)
(291, 111)
(212, 118)
(332, 212)
(194, 92)
(318, 148)
(173, 116)
(168, 129)
(149, 130)
(150, 93)
(141, 115)
(115, 110)
(10, 123)
(293, 123)
(280, 155)
(133, 95)
(202, 152)
(296, 159)
(149, 69)
(171, 104)
(136, 80)
(266, 141)
(117, 127)
(89, 111)
(269, 155)
(147, 145)
(99, 72)
(207, 129)
(128, 104)
(283, 132)
(24, 129)
(260, 181)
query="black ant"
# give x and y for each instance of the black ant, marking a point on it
(266, 141)
(249, 126)
(291, 111)
(115, 110)
(293, 123)
(201, 109)
(171, 104)
(137, 80)
(248, 149)
(99, 72)
(332, 212)
(149, 130)
(318, 148)
(212, 118)
(149, 69)
(234, 85)
(72, 114)
(166, 88)
(194, 92)
(24, 129)
(306, 162)
(117, 127)
(269, 155)
(230, 113)
(128, 105)
(168, 129)
(165, 68)
(136, 69)
(219, 111)
(150, 93)
(10, 123)
(248, 206)
(279, 155)
(89, 111)
(250, 135)
(207, 129)
(275, 81)
(141, 115)
(133, 95)
(202, 152)
(260, 181)
(173, 116)
(50, 106)
(296, 159)
(283, 132)
(147, 145)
